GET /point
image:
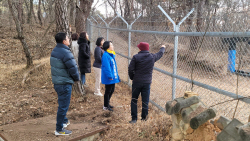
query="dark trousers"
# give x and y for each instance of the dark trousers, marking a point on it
(109, 89)
(144, 89)
(64, 95)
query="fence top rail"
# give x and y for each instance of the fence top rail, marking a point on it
(206, 34)
(220, 91)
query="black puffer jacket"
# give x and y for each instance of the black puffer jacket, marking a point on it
(84, 55)
(141, 66)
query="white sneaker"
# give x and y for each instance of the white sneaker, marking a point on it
(98, 94)
(66, 124)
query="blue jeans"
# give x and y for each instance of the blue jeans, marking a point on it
(144, 89)
(83, 78)
(64, 95)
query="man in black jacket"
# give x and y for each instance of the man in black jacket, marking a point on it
(140, 71)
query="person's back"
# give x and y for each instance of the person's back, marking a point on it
(140, 71)
(142, 64)
(144, 67)
(64, 72)
(75, 46)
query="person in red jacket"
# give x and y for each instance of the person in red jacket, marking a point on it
(140, 71)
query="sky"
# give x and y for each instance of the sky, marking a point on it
(101, 7)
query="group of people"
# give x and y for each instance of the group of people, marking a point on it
(64, 71)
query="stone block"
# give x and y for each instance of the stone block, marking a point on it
(222, 122)
(230, 133)
(170, 104)
(192, 111)
(244, 132)
(185, 103)
(188, 94)
(202, 118)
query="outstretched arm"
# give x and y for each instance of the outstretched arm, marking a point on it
(159, 54)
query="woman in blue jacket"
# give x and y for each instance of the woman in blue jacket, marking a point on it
(109, 73)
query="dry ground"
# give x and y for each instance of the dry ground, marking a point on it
(36, 97)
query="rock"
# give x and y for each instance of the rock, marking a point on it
(244, 132)
(230, 133)
(177, 134)
(202, 118)
(222, 122)
(188, 94)
(185, 103)
(170, 104)
(192, 111)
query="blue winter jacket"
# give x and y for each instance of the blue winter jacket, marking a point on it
(63, 65)
(109, 69)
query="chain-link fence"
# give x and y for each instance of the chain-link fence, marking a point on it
(207, 53)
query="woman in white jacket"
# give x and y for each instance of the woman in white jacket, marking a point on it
(75, 46)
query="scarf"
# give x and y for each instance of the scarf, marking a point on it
(109, 51)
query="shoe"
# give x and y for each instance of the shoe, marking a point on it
(98, 94)
(144, 119)
(107, 108)
(66, 124)
(111, 106)
(85, 85)
(132, 121)
(63, 132)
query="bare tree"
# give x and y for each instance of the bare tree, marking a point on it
(20, 11)
(82, 12)
(71, 14)
(29, 18)
(62, 22)
(20, 35)
(39, 14)
(62, 25)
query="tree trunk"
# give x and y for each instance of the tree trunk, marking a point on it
(62, 22)
(71, 14)
(127, 11)
(20, 11)
(62, 25)
(51, 14)
(39, 14)
(195, 40)
(82, 13)
(20, 35)
(33, 12)
(29, 19)
(190, 4)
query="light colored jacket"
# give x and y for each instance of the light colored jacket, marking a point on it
(75, 49)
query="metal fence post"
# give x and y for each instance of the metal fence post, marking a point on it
(99, 32)
(129, 34)
(176, 29)
(108, 26)
(129, 27)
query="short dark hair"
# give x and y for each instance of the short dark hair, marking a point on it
(83, 35)
(60, 36)
(98, 41)
(106, 45)
(75, 36)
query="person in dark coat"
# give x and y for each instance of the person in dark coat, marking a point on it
(98, 64)
(140, 71)
(84, 55)
(64, 72)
